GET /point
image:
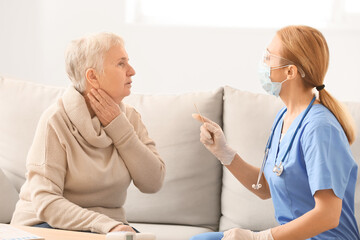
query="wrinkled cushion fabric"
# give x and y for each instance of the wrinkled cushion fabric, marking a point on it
(247, 122)
(8, 199)
(21, 104)
(191, 191)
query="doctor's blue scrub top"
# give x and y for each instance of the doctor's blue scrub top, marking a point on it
(320, 158)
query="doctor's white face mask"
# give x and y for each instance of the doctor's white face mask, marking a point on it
(271, 62)
(272, 88)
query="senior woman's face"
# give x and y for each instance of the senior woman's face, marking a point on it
(116, 78)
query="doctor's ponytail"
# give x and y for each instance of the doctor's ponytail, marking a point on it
(307, 47)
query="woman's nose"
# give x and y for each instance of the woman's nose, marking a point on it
(131, 71)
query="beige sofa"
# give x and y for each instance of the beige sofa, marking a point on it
(198, 195)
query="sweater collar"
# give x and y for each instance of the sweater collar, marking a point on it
(89, 128)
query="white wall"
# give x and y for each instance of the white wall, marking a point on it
(175, 59)
(20, 44)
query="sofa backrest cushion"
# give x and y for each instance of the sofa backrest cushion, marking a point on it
(354, 109)
(21, 104)
(8, 199)
(248, 118)
(191, 191)
(247, 122)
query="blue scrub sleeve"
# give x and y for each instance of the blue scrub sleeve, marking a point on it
(327, 158)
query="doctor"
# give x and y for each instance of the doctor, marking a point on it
(308, 169)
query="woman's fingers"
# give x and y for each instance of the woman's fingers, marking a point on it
(99, 98)
(106, 97)
(104, 106)
(94, 103)
(97, 106)
(122, 228)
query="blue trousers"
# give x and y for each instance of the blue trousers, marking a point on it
(208, 236)
(46, 225)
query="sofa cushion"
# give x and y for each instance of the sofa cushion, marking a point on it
(22, 104)
(247, 122)
(8, 199)
(191, 191)
(354, 109)
(170, 232)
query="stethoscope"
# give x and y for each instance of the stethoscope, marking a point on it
(278, 169)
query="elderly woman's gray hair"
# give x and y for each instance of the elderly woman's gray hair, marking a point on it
(88, 52)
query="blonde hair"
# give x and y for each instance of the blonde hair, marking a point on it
(88, 52)
(307, 47)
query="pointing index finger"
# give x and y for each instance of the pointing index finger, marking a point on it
(202, 119)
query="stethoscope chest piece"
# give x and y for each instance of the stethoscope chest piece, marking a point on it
(278, 170)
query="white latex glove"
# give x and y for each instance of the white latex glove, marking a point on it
(214, 140)
(243, 234)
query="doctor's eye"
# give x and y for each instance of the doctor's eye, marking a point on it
(267, 58)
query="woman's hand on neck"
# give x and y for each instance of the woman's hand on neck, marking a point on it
(87, 100)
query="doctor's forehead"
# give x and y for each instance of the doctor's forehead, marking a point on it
(275, 45)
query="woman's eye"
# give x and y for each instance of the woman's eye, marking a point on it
(121, 64)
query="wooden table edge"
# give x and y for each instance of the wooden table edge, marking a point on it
(57, 234)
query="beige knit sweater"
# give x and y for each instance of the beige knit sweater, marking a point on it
(78, 171)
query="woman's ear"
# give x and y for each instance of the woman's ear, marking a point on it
(92, 78)
(291, 71)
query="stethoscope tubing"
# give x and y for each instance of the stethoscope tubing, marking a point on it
(268, 144)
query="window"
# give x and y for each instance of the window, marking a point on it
(247, 14)
(352, 6)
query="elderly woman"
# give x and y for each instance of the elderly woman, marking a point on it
(89, 146)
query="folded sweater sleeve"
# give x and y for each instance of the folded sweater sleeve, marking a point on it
(138, 151)
(47, 168)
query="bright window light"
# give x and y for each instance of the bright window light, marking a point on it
(352, 6)
(236, 13)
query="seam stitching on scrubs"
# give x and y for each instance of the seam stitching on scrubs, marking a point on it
(287, 192)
